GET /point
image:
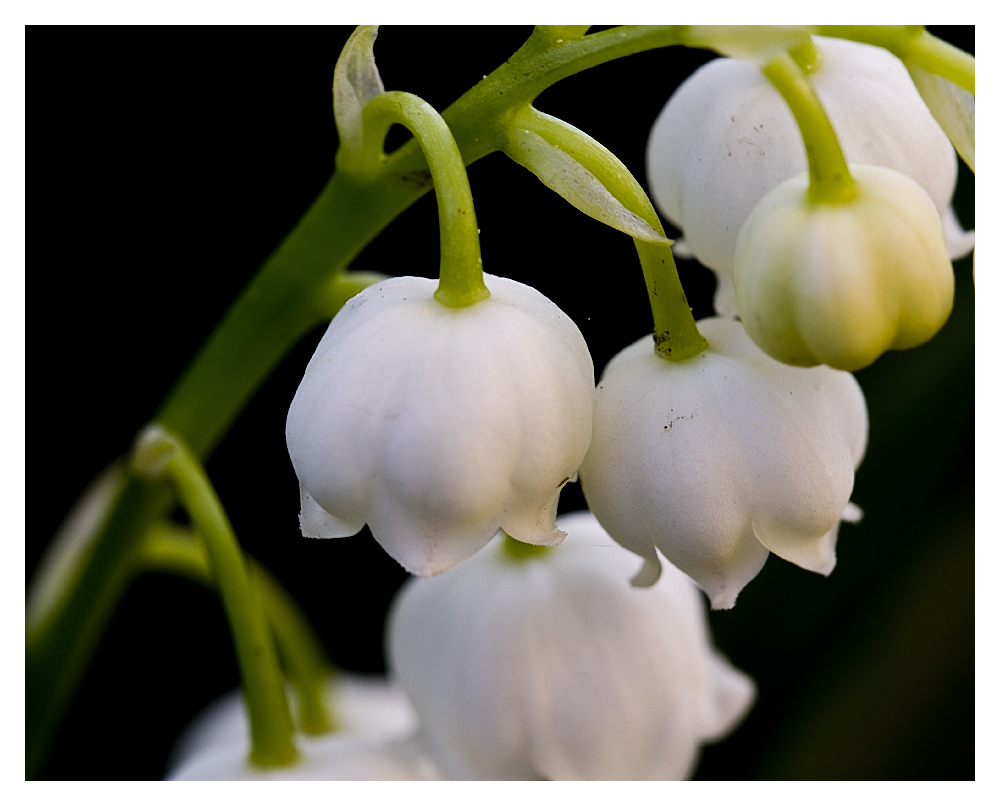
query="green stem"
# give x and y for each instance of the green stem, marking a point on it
(558, 34)
(914, 45)
(830, 181)
(947, 61)
(285, 299)
(675, 332)
(169, 548)
(461, 282)
(159, 454)
(301, 652)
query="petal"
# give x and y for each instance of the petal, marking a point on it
(733, 694)
(814, 554)
(314, 521)
(960, 242)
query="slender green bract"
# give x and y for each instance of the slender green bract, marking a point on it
(159, 454)
(675, 333)
(830, 181)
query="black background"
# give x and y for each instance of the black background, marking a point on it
(166, 164)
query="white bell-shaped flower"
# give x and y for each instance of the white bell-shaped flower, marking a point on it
(553, 666)
(437, 426)
(375, 722)
(720, 459)
(840, 284)
(726, 139)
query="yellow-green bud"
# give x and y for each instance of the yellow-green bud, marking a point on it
(840, 284)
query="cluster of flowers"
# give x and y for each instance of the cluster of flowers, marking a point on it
(439, 427)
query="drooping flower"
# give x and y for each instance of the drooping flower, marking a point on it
(721, 459)
(374, 741)
(726, 139)
(553, 666)
(840, 284)
(437, 426)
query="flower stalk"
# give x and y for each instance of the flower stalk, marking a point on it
(159, 454)
(675, 332)
(461, 281)
(830, 181)
(167, 547)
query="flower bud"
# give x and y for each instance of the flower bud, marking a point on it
(727, 138)
(438, 426)
(840, 284)
(555, 667)
(721, 459)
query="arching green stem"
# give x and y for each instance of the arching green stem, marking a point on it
(830, 182)
(167, 547)
(461, 282)
(159, 454)
(674, 330)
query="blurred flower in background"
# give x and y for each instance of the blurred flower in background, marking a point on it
(528, 663)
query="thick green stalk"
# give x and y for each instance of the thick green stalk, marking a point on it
(282, 303)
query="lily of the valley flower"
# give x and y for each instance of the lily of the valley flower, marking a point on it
(553, 666)
(840, 284)
(375, 722)
(437, 426)
(726, 139)
(721, 459)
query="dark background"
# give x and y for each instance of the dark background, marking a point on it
(167, 165)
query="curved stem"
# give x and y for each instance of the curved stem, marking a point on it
(675, 332)
(159, 454)
(169, 548)
(461, 282)
(830, 181)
